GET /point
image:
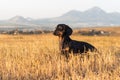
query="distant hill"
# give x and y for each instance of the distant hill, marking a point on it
(91, 17)
(94, 15)
(18, 19)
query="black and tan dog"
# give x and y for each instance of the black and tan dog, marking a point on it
(67, 45)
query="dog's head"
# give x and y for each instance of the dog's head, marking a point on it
(62, 30)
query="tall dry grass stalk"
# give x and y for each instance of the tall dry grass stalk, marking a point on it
(36, 57)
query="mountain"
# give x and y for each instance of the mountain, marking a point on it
(18, 19)
(93, 16)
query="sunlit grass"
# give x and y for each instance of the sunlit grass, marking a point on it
(36, 57)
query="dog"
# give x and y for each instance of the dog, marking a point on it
(67, 45)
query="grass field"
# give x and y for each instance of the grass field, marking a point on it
(36, 57)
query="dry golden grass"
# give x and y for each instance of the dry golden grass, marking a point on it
(36, 57)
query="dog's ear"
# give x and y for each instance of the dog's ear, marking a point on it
(68, 30)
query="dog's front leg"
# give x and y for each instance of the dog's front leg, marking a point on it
(65, 53)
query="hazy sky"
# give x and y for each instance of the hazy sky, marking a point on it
(51, 8)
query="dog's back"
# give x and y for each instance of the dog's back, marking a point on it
(81, 47)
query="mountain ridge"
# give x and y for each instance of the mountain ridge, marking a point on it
(93, 16)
